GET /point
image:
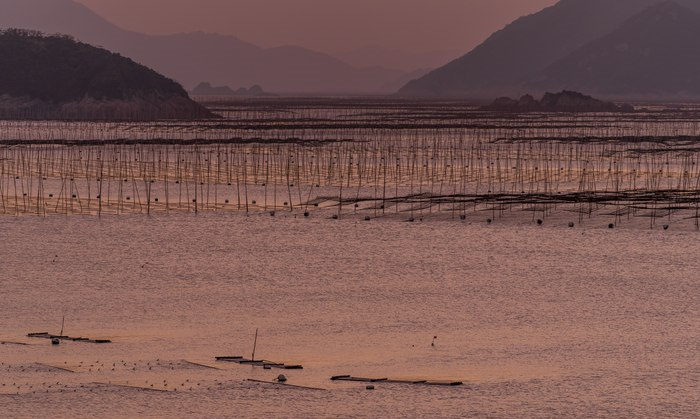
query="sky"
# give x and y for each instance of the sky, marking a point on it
(415, 26)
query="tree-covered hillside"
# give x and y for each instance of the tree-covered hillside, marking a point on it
(57, 72)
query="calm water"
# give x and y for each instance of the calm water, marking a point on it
(539, 322)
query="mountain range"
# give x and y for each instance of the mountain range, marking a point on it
(613, 49)
(190, 58)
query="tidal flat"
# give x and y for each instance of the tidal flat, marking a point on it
(547, 262)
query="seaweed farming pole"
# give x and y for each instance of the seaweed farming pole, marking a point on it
(255, 344)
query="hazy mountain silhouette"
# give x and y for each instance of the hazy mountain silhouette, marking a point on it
(654, 54)
(519, 53)
(192, 57)
(47, 77)
(206, 89)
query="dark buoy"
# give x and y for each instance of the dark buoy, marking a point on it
(489, 221)
(255, 202)
(272, 213)
(571, 225)
(55, 341)
(335, 216)
(410, 220)
(306, 214)
(666, 226)
(281, 378)
(463, 217)
(539, 222)
(370, 387)
(367, 218)
(611, 226)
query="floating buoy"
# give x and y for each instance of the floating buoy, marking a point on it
(611, 225)
(367, 218)
(55, 341)
(666, 226)
(463, 217)
(306, 214)
(370, 387)
(334, 216)
(571, 224)
(539, 222)
(489, 221)
(281, 378)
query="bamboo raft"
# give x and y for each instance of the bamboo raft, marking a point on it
(427, 382)
(46, 335)
(258, 363)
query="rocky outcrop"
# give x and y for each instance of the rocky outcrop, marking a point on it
(206, 89)
(565, 101)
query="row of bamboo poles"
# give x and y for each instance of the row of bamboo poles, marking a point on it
(393, 173)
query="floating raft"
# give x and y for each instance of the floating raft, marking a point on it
(135, 387)
(56, 367)
(4, 342)
(426, 382)
(277, 383)
(46, 335)
(200, 365)
(258, 363)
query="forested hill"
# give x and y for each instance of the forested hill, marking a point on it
(56, 77)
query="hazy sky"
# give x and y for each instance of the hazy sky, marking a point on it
(327, 25)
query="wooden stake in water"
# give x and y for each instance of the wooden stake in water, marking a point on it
(255, 344)
(63, 322)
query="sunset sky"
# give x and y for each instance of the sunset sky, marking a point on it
(326, 25)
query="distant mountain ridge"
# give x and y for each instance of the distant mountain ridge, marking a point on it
(524, 55)
(55, 77)
(656, 53)
(193, 57)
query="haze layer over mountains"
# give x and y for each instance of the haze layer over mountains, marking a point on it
(191, 58)
(614, 49)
